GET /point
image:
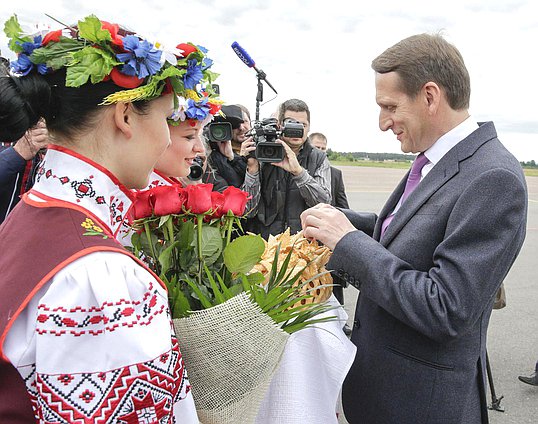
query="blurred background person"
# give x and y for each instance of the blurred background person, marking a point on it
(338, 199)
(532, 379)
(19, 153)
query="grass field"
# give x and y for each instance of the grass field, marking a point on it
(529, 172)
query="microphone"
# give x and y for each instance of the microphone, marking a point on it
(247, 60)
(243, 55)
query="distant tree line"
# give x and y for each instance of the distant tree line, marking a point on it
(382, 157)
(377, 157)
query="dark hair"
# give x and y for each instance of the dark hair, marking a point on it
(423, 58)
(67, 111)
(294, 105)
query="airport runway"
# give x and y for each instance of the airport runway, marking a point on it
(513, 331)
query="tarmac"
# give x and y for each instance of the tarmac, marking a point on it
(513, 330)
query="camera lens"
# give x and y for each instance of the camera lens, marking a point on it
(219, 133)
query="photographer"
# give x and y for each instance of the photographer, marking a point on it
(282, 190)
(18, 164)
(224, 158)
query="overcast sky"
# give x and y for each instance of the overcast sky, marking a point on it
(320, 52)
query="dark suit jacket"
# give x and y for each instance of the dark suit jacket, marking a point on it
(338, 190)
(427, 288)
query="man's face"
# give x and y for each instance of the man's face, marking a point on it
(238, 134)
(318, 143)
(407, 117)
(302, 117)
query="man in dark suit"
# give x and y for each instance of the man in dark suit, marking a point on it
(438, 254)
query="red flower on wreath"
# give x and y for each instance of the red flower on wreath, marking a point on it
(113, 29)
(51, 36)
(187, 49)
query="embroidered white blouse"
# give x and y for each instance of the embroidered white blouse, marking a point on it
(96, 342)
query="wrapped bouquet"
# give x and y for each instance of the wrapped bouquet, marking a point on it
(234, 299)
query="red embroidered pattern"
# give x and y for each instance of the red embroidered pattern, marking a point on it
(97, 320)
(141, 393)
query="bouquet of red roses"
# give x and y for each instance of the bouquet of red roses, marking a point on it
(231, 320)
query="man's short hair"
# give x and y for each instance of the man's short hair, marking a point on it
(318, 135)
(294, 105)
(423, 58)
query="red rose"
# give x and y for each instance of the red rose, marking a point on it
(141, 207)
(235, 200)
(199, 198)
(113, 29)
(51, 36)
(217, 201)
(187, 49)
(168, 199)
(125, 81)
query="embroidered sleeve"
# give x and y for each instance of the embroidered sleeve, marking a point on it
(102, 347)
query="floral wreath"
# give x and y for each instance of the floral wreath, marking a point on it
(97, 51)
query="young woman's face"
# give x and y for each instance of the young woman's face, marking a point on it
(151, 137)
(186, 145)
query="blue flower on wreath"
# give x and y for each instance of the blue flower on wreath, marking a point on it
(142, 58)
(23, 65)
(197, 110)
(193, 75)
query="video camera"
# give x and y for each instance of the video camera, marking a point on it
(265, 133)
(220, 129)
(197, 169)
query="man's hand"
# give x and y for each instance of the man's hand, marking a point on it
(247, 147)
(290, 162)
(326, 224)
(225, 147)
(33, 141)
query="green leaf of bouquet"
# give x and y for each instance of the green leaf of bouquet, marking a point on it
(186, 234)
(219, 296)
(91, 29)
(165, 257)
(243, 253)
(204, 300)
(211, 244)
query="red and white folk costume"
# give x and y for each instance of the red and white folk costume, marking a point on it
(92, 339)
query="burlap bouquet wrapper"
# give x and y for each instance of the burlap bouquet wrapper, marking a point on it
(231, 352)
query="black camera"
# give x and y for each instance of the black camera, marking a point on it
(219, 131)
(221, 128)
(266, 132)
(197, 169)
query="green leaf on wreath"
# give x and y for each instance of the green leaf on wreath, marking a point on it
(89, 62)
(91, 29)
(243, 253)
(13, 31)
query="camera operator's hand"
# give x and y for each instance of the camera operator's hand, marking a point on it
(290, 162)
(247, 149)
(225, 147)
(33, 141)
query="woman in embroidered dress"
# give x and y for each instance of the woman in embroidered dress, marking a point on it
(85, 332)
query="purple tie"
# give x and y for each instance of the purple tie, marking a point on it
(412, 182)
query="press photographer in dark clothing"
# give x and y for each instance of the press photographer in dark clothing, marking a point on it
(281, 191)
(224, 158)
